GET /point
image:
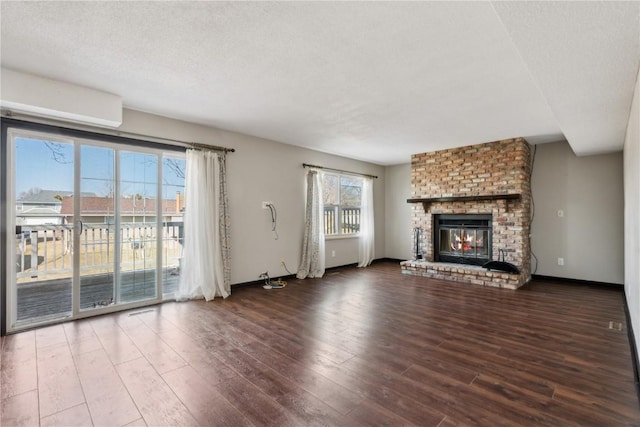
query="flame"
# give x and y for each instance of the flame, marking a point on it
(466, 243)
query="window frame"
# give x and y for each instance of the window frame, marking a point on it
(338, 227)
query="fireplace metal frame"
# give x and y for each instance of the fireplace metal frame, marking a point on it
(473, 224)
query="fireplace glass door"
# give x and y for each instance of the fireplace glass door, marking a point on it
(464, 239)
(464, 242)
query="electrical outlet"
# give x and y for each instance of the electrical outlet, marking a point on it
(333, 254)
(560, 213)
(281, 261)
(265, 205)
(560, 261)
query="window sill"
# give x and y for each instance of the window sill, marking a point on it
(341, 236)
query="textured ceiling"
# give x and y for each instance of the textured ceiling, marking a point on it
(372, 81)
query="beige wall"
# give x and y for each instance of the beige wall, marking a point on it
(590, 235)
(398, 230)
(632, 213)
(263, 170)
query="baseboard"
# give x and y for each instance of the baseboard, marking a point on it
(375, 261)
(260, 282)
(340, 267)
(576, 281)
(635, 360)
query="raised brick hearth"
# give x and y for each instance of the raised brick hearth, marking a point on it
(491, 178)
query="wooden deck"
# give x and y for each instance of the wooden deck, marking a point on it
(51, 298)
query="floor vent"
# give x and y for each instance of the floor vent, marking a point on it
(616, 326)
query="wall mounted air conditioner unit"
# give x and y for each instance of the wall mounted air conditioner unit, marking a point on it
(32, 95)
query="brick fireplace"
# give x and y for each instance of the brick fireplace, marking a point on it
(488, 181)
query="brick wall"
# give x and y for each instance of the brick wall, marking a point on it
(490, 169)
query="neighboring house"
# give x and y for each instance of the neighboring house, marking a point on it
(54, 207)
(100, 210)
(40, 207)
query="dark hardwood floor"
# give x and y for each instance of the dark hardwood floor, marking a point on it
(358, 347)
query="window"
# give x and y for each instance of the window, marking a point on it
(342, 195)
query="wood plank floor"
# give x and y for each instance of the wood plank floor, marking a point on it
(358, 347)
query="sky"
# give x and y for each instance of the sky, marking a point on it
(49, 165)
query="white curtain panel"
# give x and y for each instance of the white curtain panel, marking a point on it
(312, 262)
(366, 240)
(203, 268)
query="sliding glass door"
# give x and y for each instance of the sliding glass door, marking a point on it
(42, 268)
(98, 227)
(174, 170)
(138, 219)
(96, 206)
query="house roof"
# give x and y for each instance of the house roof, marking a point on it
(42, 196)
(38, 196)
(39, 211)
(103, 206)
(376, 81)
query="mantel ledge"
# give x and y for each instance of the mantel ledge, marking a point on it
(471, 198)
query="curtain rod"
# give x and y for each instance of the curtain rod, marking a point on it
(114, 132)
(197, 146)
(307, 165)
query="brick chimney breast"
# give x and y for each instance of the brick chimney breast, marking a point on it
(487, 171)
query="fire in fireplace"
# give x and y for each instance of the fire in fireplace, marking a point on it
(462, 239)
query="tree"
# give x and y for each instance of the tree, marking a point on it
(109, 189)
(176, 166)
(330, 190)
(30, 192)
(57, 152)
(342, 190)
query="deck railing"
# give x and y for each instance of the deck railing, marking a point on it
(46, 251)
(346, 220)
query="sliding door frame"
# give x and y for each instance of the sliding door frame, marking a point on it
(7, 211)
